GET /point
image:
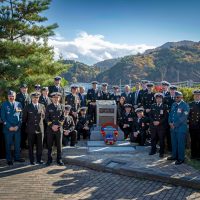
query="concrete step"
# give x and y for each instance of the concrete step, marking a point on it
(102, 144)
(111, 149)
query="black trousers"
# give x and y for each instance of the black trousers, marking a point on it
(141, 138)
(35, 139)
(127, 132)
(84, 133)
(195, 142)
(92, 112)
(157, 133)
(72, 137)
(2, 143)
(45, 135)
(54, 137)
(24, 136)
(168, 138)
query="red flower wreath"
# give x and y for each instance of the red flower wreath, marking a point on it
(109, 138)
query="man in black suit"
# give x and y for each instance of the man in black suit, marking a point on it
(136, 95)
(54, 117)
(93, 94)
(33, 116)
(45, 100)
(158, 124)
(57, 88)
(82, 96)
(73, 100)
(194, 125)
(142, 91)
(24, 98)
(129, 98)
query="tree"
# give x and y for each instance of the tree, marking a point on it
(25, 54)
(21, 18)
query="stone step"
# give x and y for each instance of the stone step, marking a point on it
(111, 149)
(102, 144)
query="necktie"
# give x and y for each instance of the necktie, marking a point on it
(36, 108)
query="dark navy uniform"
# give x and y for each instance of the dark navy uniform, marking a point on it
(140, 125)
(178, 117)
(92, 96)
(24, 99)
(105, 95)
(69, 125)
(127, 119)
(44, 100)
(58, 89)
(120, 112)
(115, 95)
(33, 117)
(54, 116)
(83, 121)
(194, 128)
(140, 96)
(129, 97)
(74, 102)
(158, 113)
(169, 100)
(147, 100)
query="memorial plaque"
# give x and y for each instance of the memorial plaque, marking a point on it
(106, 111)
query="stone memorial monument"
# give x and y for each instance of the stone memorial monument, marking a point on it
(106, 112)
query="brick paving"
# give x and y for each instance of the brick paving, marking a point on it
(136, 160)
(26, 182)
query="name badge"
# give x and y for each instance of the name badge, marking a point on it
(179, 110)
(161, 112)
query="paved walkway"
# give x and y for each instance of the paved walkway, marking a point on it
(26, 182)
(136, 163)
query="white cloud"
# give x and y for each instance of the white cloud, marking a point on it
(90, 49)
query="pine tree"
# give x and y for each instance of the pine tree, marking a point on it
(25, 55)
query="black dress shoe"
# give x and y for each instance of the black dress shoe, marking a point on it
(179, 162)
(72, 145)
(20, 160)
(171, 158)
(48, 163)
(60, 163)
(40, 162)
(32, 163)
(152, 153)
(10, 163)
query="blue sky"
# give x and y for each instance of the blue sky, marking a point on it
(129, 23)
